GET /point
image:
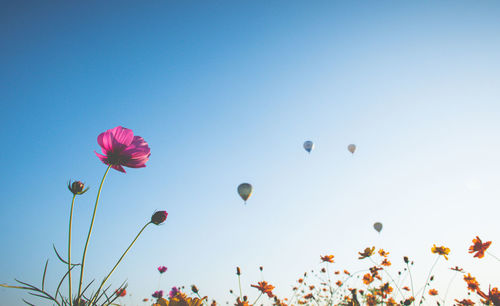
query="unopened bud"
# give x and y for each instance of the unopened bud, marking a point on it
(159, 217)
(77, 187)
(238, 271)
(406, 259)
(261, 268)
(194, 289)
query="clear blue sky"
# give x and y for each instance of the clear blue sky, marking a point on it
(226, 92)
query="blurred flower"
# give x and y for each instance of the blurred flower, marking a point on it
(194, 289)
(158, 294)
(323, 270)
(406, 288)
(385, 262)
(327, 258)
(406, 260)
(173, 292)
(309, 296)
(121, 292)
(409, 301)
(238, 271)
(158, 218)
(464, 302)
(441, 251)
(366, 253)
(336, 272)
(261, 268)
(161, 269)
(383, 253)
(145, 300)
(264, 287)
(479, 247)
(472, 283)
(121, 148)
(391, 302)
(77, 187)
(242, 303)
(347, 272)
(433, 292)
(493, 296)
(457, 269)
(367, 278)
(338, 283)
(300, 280)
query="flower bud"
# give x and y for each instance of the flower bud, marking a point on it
(238, 271)
(406, 259)
(77, 187)
(194, 288)
(159, 217)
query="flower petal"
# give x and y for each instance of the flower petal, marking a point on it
(122, 135)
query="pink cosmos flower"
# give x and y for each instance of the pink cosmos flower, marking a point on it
(162, 269)
(121, 148)
(158, 294)
(173, 292)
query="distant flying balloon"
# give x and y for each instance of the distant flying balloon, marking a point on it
(245, 191)
(308, 146)
(351, 148)
(377, 226)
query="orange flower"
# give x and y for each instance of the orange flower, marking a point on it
(242, 303)
(442, 250)
(408, 301)
(327, 258)
(308, 296)
(391, 302)
(406, 288)
(479, 247)
(383, 253)
(337, 272)
(385, 262)
(457, 269)
(300, 280)
(472, 283)
(367, 278)
(347, 272)
(311, 287)
(338, 283)
(433, 292)
(366, 253)
(492, 297)
(264, 287)
(464, 302)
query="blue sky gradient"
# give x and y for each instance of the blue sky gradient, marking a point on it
(226, 92)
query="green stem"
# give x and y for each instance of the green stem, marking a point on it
(239, 284)
(411, 280)
(119, 260)
(90, 232)
(69, 249)
(487, 252)
(257, 299)
(427, 280)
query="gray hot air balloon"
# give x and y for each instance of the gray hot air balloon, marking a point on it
(351, 148)
(245, 191)
(308, 146)
(377, 226)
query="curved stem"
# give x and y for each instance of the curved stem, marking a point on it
(449, 285)
(257, 299)
(427, 279)
(411, 280)
(493, 255)
(90, 232)
(119, 260)
(69, 249)
(392, 279)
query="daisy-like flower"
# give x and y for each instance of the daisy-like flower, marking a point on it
(158, 294)
(383, 253)
(472, 283)
(479, 247)
(327, 258)
(339, 283)
(442, 250)
(367, 278)
(121, 148)
(385, 262)
(366, 253)
(264, 287)
(162, 269)
(433, 292)
(173, 292)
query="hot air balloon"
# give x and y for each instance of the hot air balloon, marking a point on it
(377, 226)
(245, 191)
(308, 146)
(351, 148)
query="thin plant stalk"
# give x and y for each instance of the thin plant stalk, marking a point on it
(69, 249)
(90, 232)
(427, 279)
(119, 260)
(487, 252)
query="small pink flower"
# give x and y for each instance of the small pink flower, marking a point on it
(158, 294)
(162, 269)
(121, 148)
(173, 292)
